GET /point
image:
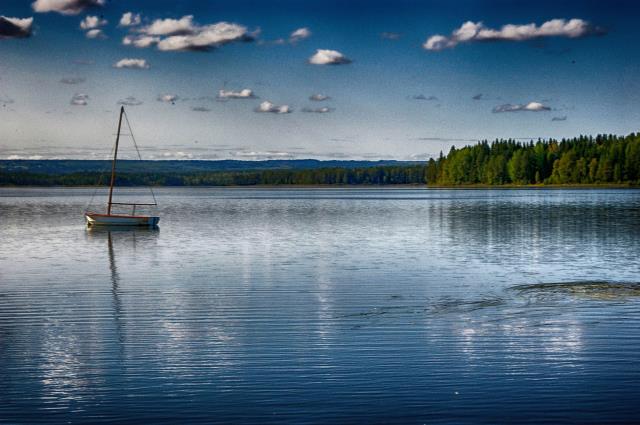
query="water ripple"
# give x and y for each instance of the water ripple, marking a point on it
(323, 306)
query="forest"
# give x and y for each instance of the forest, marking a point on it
(604, 159)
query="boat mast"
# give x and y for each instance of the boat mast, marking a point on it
(113, 164)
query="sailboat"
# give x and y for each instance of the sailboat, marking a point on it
(110, 219)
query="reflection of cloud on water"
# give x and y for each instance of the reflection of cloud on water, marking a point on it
(323, 291)
(518, 332)
(62, 370)
(525, 342)
(522, 329)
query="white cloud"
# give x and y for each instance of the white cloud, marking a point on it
(167, 98)
(130, 101)
(80, 99)
(65, 7)
(141, 41)
(177, 155)
(31, 157)
(390, 35)
(205, 38)
(91, 22)
(531, 106)
(299, 34)
(321, 110)
(95, 33)
(130, 19)
(267, 106)
(438, 42)
(262, 155)
(132, 63)
(170, 26)
(15, 27)
(318, 97)
(477, 31)
(421, 156)
(230, 94)
(328, 57)
(183, 34)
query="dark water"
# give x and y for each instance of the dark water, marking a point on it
(323, 306)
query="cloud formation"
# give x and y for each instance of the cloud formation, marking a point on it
(91, 22)
(171, 26)
(15, 27)
(446, 139)
(141, 41)
(477, 31)
(130, 101)
(423, 97)
(31, 157)
(206, 38)
(129, 19)
(318, 97)
(531, 107)
(131, 63)
(267, 106)
(72, 80)
(230, 94)
(168, 98)
(328, 57)
(95, 33)
(80, 99)
(177, 155)
(262, 155)
(390, 35)
(65, 7)
(299, 34)
(321, 110)
(184, 35)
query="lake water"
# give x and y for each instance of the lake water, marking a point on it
(323, 306)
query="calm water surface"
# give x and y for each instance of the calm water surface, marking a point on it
(323, 306)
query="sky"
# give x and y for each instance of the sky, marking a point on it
(311, 79)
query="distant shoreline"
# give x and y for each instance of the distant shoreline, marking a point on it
(355, 186)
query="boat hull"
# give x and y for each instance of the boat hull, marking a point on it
(121, 220)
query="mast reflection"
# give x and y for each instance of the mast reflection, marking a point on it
(111, 234)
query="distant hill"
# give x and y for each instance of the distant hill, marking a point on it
(54, 167)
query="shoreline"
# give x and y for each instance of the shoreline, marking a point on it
(363, 186)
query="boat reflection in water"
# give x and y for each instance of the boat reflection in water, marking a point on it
(121, 234)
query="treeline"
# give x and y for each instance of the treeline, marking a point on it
(604, 159)
(581, 160)
(381, 175)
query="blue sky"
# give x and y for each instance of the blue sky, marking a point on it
(391, 94)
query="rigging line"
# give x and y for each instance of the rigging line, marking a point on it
(97, 187)
(138, 151)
